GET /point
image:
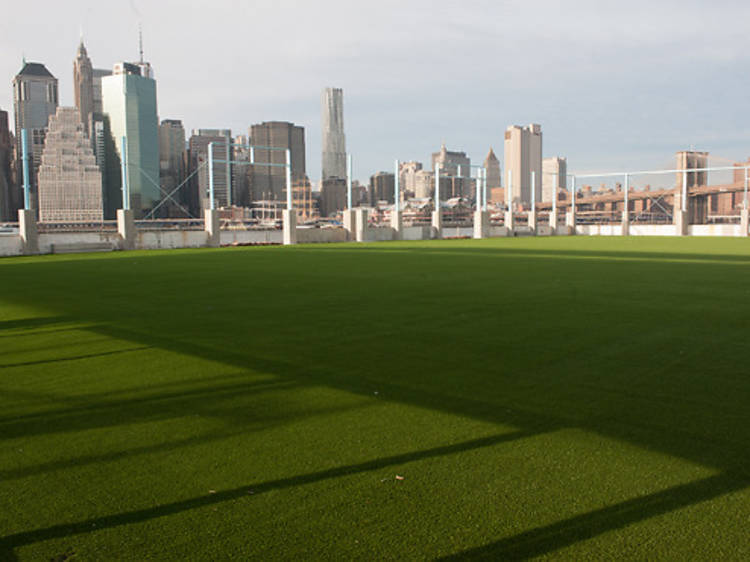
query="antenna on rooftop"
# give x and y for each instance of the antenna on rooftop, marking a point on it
(140, 41)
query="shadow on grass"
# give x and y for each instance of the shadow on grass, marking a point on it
(72, 358)
(8, 543)
(547, 539)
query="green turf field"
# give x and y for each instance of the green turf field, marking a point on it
(564, 398)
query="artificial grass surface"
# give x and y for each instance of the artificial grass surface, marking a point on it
(577, 398)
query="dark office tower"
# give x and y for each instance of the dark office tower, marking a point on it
(269, 182)
(34, 100)
(334, 140)
(198, 169)
(382, 188)
(172, 160)
(83, 86)
(7, 202)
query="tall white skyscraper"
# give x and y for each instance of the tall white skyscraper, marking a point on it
(129, 99)
(523, 155)
(334, 140)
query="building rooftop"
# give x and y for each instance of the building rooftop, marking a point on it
(35, 69)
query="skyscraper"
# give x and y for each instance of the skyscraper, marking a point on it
(269, 182)
(83, 86)
(70, 183)
(334, 140)
(555, 174)
(7, 196)
(35, 98)
(492, 169)
(172, 162)
(129, 101)
(222, 140)
(523, 155)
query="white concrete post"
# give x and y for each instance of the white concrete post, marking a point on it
(625, 228)
(126, 228)
(211, 225)
(360, 220)
(571, 218)
(27, 231)
(349, 223)
(532, 211)
(437, 213)
(289, 217)
(553, 214)
(509, 222)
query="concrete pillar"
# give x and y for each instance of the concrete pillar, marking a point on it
(510, 223)
(532, 220)
(680, 217)
(396, 224)
(744, 222)
(211, 225)
(625, 223)
(289, 217)
(553, 222)
(126, 228)
(481, 224)
(360, 224)
(570, 221)
(348, 219)
(27, 231)
(437, 224)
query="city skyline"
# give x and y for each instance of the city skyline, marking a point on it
(612, 89)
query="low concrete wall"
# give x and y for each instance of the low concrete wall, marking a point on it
(10, 245)
(714, 230)
(379, 234)
(321, 235)
(251, 237)
(416, 233)
(498, 231)
(635, 229)
(170, 239)
(458, 231)
(71, 239)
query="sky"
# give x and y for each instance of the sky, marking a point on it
(615, 85)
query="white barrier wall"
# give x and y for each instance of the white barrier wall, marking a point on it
(10, 246)
(321, 235)
(170, 239)
(229, 237)
(714, 230)
(78, 240)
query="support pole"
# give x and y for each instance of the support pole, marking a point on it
(509, 223)
(289, 205)
(437, 215)
(533, 190)
(553, 214)
(349, 181)
(125, 186)
(626, 207)
(484, 189)
(571, 219)
(26, 178)
(436, 197)
(744, 202)
(396, 214)
(211, 175)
